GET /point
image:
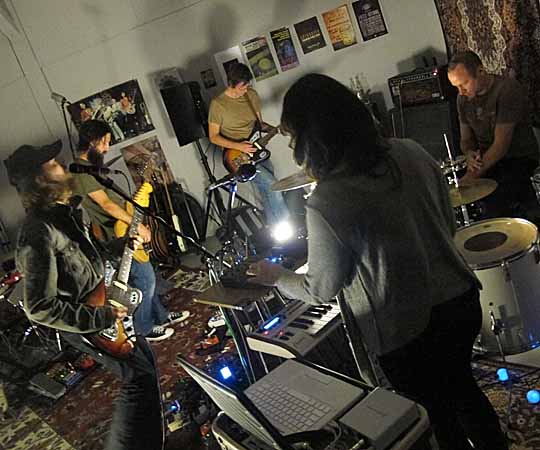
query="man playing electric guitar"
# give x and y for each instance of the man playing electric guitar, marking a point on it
(62, 269)
(232, 117)
(104, 208)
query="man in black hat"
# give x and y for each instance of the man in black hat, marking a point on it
(61, 268)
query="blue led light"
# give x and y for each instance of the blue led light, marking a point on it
(502, 373)
(533, 396)
(271, 323)
(225, 372)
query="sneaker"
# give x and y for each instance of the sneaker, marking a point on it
(176, 317)
(159, 333)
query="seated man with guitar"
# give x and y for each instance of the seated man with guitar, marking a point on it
(64, 289)
(234, 122)
(103, 207)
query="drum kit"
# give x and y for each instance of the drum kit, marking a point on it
(504, 254)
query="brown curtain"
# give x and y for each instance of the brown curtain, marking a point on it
(504, 33)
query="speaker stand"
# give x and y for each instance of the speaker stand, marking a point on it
(215, 193)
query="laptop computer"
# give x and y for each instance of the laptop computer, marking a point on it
(293, 398)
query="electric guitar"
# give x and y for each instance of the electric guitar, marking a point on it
(116, 340)
(233, 159)
(121, 227)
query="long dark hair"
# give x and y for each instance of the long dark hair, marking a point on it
(331, 128)
(40, 192)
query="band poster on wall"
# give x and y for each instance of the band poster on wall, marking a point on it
(145, 158)
(310, 35)
(285, 50)
(122, 107)
(260, 58)
(370, 19)
(340, 28)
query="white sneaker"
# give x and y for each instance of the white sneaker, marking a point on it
(159, 333)
(176, 317)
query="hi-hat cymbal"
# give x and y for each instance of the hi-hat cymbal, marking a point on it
(471, 191)
(294, 181)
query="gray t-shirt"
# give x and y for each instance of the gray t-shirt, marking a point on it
(390, 248)
(505, 103)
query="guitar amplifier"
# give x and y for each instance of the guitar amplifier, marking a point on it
(425, 85)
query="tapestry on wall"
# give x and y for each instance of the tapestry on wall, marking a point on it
(504, 33)
(122, 107)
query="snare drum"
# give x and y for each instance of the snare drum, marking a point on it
(504, 255)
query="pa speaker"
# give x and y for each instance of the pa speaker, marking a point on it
(187, 111)
(427, 124)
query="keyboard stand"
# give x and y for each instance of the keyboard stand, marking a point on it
(232, 302)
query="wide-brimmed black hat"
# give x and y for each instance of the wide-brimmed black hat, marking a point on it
(26, 161)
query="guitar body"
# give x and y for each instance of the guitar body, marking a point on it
(121, 229)
(233, 159)
(116, 340)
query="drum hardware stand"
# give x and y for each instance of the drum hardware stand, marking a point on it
(466, 219)
(214, 192)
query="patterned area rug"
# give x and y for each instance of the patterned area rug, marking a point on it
(81, 418)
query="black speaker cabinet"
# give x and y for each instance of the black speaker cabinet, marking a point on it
(427, 124)
(187, 111)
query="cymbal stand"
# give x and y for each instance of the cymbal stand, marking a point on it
(496, 328)
(466, 218)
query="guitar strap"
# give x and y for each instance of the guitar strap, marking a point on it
(257, 120)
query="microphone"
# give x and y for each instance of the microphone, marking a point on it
(245, 172)
(59, 98)
(91, 170)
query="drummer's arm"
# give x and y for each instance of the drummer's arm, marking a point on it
(467, 142)
(499, 148)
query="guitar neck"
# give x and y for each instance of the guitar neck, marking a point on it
(266, 138)
(127, 256)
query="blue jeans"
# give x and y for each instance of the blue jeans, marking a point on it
(274, 205)
(137, 422)
(150, 312)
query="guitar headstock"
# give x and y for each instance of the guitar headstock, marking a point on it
(142, 197)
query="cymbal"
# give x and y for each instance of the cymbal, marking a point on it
(294, 181)
(471, 191)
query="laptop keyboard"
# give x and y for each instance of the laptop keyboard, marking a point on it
(288, 410)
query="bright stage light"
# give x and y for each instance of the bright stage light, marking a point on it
(283, 231)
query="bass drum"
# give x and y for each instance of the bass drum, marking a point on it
(505, 257)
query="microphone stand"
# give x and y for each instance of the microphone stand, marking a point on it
(209, 256)
(64, 115)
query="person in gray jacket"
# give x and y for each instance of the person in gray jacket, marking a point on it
(60, 268)
(381, 229)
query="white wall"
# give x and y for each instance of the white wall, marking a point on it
(80, 47)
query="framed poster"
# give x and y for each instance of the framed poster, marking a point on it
(122, 107)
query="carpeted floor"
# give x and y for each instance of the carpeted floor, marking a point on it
(80, 419)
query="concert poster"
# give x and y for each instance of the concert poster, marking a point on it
(260, 58)
(122, 107)
(146, 161)
(340, 28)
(285, 50)
(208, 78)
(310, 35)
(370, 19)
